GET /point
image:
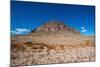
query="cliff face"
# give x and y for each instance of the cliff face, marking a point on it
(56, 26)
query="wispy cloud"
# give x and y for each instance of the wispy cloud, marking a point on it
(20, 31)
(83, 29)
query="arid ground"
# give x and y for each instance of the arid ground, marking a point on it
(52, 43)
(30, 50)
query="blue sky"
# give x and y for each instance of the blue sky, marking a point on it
(31, 15)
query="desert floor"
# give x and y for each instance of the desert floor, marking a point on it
(33, 50)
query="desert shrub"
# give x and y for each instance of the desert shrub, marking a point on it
(13, 40)
(38, 45)
(18, 46)
(35, 45)
(29, 44)
(56, 47)
(89, 43)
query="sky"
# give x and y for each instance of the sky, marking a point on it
(30, 15)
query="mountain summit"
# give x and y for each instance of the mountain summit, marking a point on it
(56, 26)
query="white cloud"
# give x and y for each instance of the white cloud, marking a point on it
(83, 29)
(20, 31)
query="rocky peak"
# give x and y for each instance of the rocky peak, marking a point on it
(55, 25)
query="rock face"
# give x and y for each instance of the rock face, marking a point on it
(56, 26)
